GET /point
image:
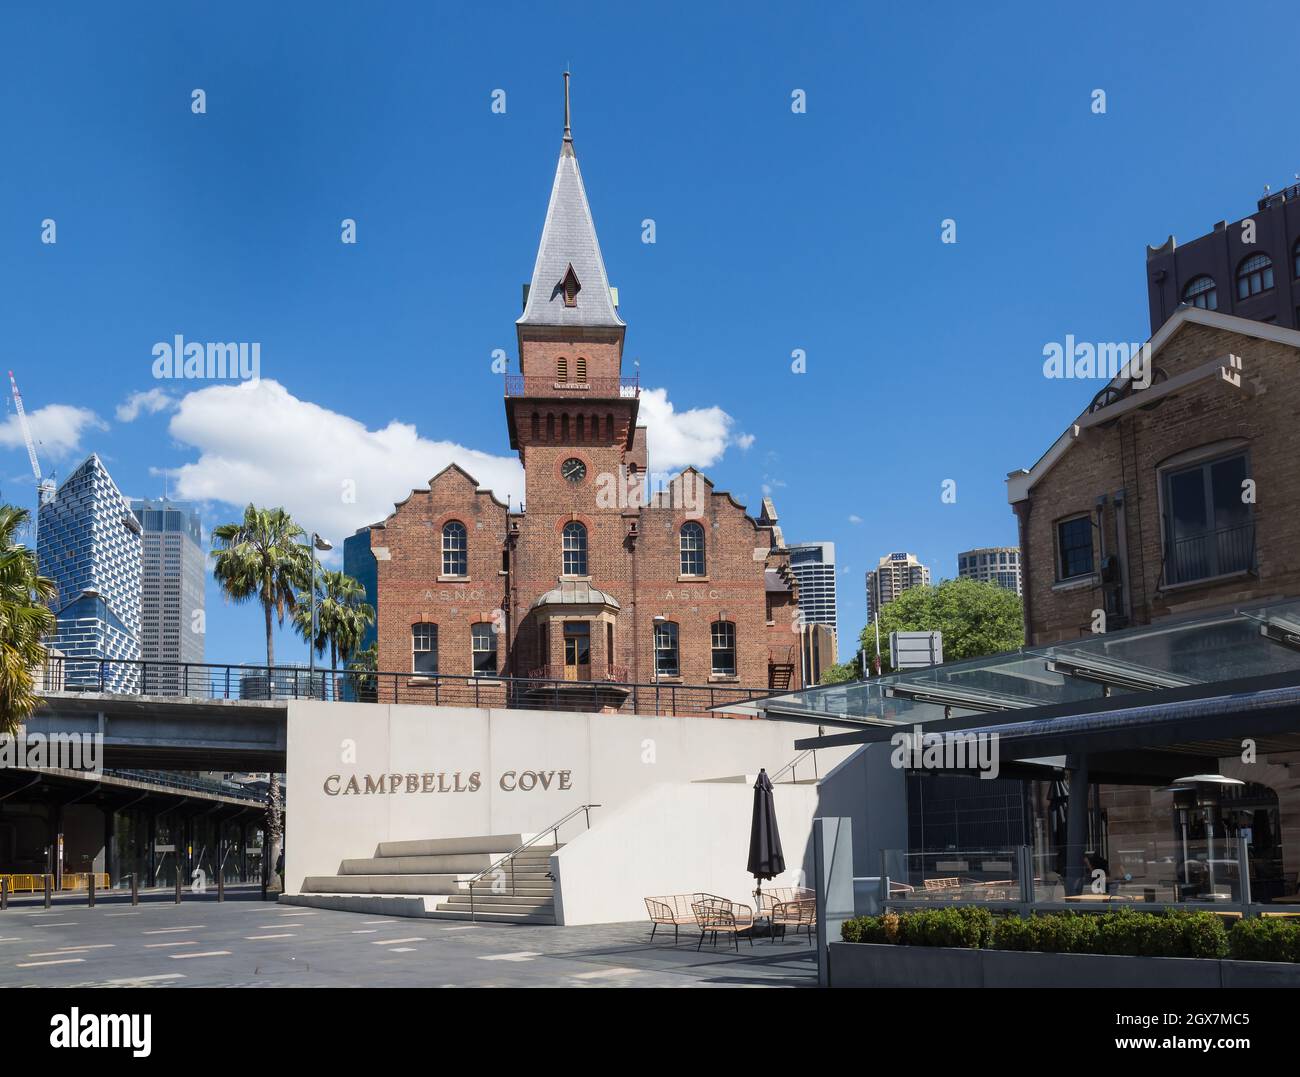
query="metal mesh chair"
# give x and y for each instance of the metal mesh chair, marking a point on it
(674, 910)
(715, 914)
(800, 913)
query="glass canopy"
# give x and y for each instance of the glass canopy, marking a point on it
(1249, 641)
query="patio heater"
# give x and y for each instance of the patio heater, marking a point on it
(1202, 791)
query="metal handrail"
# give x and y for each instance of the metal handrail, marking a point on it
(208, 680)
(553, 829)
(794, 763)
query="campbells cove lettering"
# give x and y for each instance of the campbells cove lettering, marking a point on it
(428, 782)
(528, 780)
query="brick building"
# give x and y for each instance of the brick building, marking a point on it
(1171, 499)
(1169, 502)
(591, 579)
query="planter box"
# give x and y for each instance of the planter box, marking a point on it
(877, 965)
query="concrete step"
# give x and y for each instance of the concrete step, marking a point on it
(443, 864)
(500, 844)
(494, 916)
(382, 884)
(483, 901)
(416, 908)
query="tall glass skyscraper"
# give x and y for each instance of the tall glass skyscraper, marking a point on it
(88, 542)
(813, 565)
(171, 595)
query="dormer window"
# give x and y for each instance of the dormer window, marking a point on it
(571, 288)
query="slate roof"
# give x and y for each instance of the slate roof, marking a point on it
(569, 239)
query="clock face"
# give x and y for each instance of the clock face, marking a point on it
(573, 469)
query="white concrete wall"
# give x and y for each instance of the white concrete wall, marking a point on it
(677, 838)
(610, 760)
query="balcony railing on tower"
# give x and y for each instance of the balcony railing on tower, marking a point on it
(546, 385)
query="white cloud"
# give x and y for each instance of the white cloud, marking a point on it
(150, 401)
(679, 439)
(854, 518)
(56, 428)
(258, 442)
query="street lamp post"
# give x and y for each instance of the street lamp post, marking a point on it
(324, 545)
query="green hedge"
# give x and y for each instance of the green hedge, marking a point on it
(1265, 939)
(1126, 932)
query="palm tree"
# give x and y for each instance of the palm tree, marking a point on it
(25, 619)
(342, 616)
(261, 558)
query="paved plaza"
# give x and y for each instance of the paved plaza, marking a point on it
(245, 942)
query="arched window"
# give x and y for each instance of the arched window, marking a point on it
(564, 429)
(692, 549)
(455, 549)
(550, 427)
(582, 368)
(562, 369)
(575, 549)
(609, 417)
(666, 656)
(537, 427)
(723, 634)
(1201, 292)
(484, 650)
(424, 648)
(1254, 275)
(582, 428)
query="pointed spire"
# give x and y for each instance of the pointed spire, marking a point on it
(568, 131)
(569, 249)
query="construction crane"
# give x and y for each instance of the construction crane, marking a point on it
(44, 487)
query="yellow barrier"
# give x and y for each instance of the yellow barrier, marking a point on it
(80, 880)
(72, 880)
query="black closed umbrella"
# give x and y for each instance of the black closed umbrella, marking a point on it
(766, 860)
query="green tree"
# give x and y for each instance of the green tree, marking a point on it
(25, 619)
(260, 559)
(342, 616)
(975, 619)
(842, 672)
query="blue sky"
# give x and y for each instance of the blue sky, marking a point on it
(775, 231)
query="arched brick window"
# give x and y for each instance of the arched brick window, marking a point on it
(424, 648)
(692, 549)
(723, 634)
(575, 549)
(1254, 275)
(455, 549)
(1201, 292)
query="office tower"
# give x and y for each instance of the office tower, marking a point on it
(991, 564)
(359, 563)
(813, 565)
(89, 545)
(171, 593)
(894, 575)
